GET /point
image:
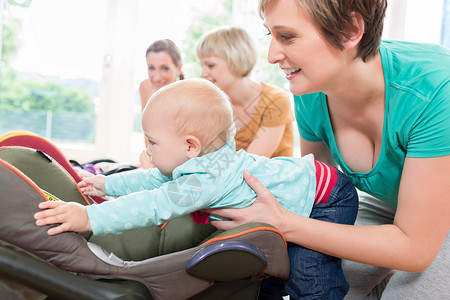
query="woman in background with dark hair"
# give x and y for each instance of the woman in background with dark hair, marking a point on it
(163, 66)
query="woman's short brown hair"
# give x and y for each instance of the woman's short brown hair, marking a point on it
(333, 19)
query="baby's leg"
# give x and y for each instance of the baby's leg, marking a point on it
(315, 275)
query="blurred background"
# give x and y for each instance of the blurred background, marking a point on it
(70, 69)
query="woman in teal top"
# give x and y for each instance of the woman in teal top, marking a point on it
(381, 111)
(416, 115)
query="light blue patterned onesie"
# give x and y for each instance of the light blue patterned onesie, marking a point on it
(147, 198)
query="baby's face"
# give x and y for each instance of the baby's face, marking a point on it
(166, 148)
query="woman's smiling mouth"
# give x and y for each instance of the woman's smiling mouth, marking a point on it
(290, 73)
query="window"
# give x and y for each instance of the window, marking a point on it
(51, 69)
(70, 69)
(402, 21)
(445, 37)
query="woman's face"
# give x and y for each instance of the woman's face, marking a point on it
(310, 63)
(215, 69)
(161, 69)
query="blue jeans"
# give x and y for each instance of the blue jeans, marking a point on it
(314, 275)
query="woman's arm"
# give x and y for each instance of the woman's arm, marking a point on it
(145, 91)
(420, 226)
(266, 140)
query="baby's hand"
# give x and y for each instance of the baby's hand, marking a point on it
(72, 217)
(93, 186)
(83, 173)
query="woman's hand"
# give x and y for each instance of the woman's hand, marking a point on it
(72, 217)
(265, 209)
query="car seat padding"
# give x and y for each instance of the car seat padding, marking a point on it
(164, 276)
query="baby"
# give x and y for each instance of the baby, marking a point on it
(190, 131)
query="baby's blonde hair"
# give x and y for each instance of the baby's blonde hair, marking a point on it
(197, 107)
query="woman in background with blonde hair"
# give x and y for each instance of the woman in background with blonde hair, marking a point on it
(262, 112)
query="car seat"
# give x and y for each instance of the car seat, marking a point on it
(29, 139)
(181, 260)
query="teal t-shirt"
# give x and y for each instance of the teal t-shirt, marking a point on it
(416, 121)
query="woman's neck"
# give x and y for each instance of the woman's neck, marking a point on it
(360, 85)
(243, 91)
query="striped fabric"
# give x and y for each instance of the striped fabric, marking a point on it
(326, 178)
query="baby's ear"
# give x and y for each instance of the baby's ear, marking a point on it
(194, 146)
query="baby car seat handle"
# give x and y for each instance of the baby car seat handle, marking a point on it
(224, 261)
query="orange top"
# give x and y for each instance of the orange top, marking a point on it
(273, 109)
